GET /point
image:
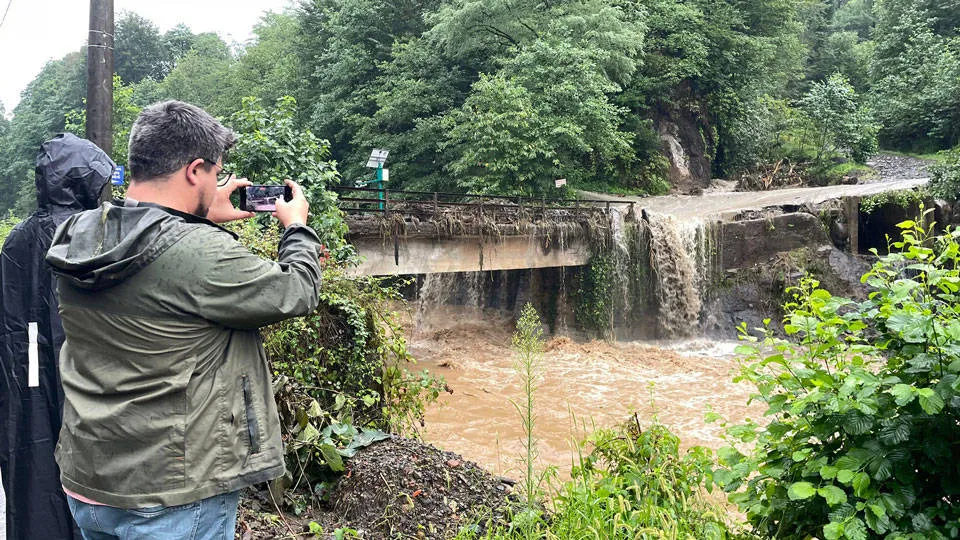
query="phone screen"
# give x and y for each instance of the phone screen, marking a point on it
(262, 198)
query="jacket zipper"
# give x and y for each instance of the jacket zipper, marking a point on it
(253, 429)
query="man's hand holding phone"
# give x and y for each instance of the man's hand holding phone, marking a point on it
(222, 209)
(295, 210)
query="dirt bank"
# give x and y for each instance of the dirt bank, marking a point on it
(396, 488)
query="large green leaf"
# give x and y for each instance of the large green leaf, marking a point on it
(930, 401)
(332, 457)
(861, 481)
(801, 490)
(903, 393)
(855, 529)
(833, 531)
(833, 495)
(912, 327)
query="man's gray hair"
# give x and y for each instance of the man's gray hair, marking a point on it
(169, 135)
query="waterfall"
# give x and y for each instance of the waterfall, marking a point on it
(663, 272)
(674, 276)
(458, 288)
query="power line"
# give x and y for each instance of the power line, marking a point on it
(4, 19)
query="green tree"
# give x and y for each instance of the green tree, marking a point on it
(269, 67)
(271, 149)
(915, 69)
(839, 122)
(40, 114)
(139, 49)
(345, 47)
(201, 76)
(125, 112)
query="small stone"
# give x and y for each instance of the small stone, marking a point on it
(453, 463)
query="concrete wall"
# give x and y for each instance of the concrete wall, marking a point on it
(420, 255)
(749, 242)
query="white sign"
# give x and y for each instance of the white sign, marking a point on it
(377, 158)
(385, 177)
(561, 182)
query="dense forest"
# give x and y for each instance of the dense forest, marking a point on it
(505, 96)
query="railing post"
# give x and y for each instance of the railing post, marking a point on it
(386, 201)
(436, 204)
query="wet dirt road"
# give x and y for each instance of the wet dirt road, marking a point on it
(891, 173)
(585, 385)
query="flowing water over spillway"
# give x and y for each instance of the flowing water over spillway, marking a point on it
(664, 269)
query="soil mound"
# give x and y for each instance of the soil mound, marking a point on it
(403, 487)
(396, 488)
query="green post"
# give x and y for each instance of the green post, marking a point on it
(380, 184)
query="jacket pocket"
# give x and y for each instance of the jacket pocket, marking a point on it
(253, 427)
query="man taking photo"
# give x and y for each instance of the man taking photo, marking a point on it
(169, 410)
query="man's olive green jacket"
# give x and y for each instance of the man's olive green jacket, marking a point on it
(167, 390)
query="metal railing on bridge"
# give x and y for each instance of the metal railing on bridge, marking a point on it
(431, 202)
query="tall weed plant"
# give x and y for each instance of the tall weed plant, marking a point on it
(864, 403)
(528, 363)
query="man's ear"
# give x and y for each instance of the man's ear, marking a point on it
(191, 171)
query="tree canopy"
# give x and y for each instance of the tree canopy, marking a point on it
(505, 96)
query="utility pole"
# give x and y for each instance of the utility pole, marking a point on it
(100, 75)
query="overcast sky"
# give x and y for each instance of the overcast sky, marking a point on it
(36, 31)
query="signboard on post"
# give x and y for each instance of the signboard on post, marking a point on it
(377, 158)
(561, 182)
(117, 177)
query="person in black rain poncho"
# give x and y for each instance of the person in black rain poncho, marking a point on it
(72, 175)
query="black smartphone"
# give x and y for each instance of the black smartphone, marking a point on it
(260, 198)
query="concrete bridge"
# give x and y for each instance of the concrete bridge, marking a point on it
(409, 233)
(426, 233)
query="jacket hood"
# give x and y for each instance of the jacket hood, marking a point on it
(102, 247)
(70, 174)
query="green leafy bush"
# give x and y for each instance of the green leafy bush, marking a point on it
(945, 176)
(634, 483)
(272, 148)
(594, 307)
(904, 198)
(839, 123)
(863, 403)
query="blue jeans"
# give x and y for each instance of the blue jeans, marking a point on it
(214, 518)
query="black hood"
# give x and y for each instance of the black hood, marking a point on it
(70, 175)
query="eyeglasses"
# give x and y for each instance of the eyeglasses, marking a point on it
(223, 175)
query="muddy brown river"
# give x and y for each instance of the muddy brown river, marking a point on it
(585, 385)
